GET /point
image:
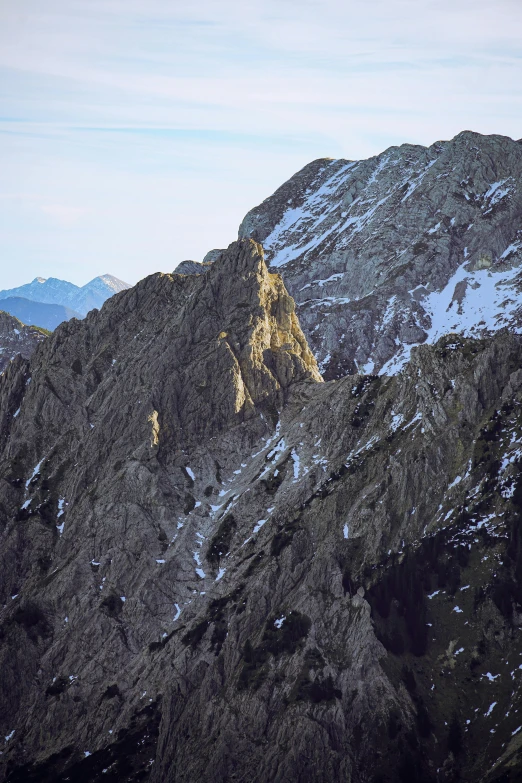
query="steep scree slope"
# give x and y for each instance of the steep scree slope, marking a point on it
(216, 567)
(389, 252)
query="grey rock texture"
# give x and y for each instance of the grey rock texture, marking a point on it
(212, 255)
(198, 267)
(215, 567)
(397, 250)
(191, 268)
(17, 338)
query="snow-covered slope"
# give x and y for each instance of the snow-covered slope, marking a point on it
(390, 252)
(60, 292)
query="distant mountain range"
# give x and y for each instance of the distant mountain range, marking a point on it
(61, 292)
(38, 313)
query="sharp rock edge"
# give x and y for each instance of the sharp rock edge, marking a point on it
(217, 567)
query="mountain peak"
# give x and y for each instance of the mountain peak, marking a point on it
(389, 252)
(52, 290)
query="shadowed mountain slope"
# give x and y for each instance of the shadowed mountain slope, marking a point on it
(217, 567)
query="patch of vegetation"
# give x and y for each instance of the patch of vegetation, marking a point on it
(196, 634)
(317, 690)
(419, 248)
(111, 692)
(273, 481)
(399, 600)
(216, 617)
(58, 686)
(188, 478)
(220, 542)
(190, 503)
(42, 330)
(280, 639)
(285, 534)
(112, 605)
(33, 620)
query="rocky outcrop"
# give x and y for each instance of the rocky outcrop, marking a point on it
(216, 567)
(212, 255)
(198, 267)
(17, 338)
(390, 252)
(191, 268)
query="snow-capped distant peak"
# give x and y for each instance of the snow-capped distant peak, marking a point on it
(114, 283)
(61, 292)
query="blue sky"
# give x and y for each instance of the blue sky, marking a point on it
(137, 133)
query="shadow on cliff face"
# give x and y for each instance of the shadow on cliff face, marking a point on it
(127, 760)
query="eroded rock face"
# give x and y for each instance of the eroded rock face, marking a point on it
(191, 268)
(386, 253)
(216, 567)
(17, 338)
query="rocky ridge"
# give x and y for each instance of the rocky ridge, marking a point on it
(17, 338)
(390, 252)
(221, 568)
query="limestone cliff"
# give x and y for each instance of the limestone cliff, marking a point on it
(216, 567)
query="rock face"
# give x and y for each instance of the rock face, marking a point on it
(217, 567)
(61, 292)
(198, 267)
(191, 268)
(17, 338)
(48, 316)
(386, 253)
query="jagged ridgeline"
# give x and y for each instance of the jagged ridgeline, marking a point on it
(400, 249)
(217, 567)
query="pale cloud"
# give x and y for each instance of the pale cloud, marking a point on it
(62, 214)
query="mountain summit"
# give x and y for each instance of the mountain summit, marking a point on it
(60, 292)
(397, 250)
